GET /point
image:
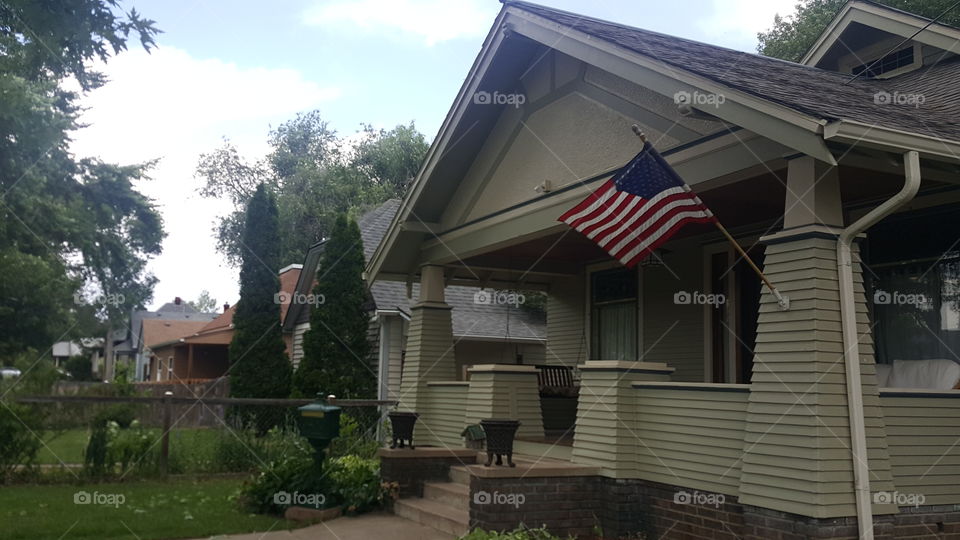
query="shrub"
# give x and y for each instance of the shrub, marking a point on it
(356, 482)
(18, 444)
(295, 472)
(354, 438)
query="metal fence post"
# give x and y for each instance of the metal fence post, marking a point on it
(165, 437)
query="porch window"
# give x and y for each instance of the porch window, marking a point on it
(613, 314)
(917, 310)
(914, 271)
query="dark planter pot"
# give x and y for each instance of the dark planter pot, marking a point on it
(500, 434)
(401, 423)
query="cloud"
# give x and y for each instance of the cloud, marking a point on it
(170, 106)
(433, 21)
(737, 23)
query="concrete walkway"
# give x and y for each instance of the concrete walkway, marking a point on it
(365, 527)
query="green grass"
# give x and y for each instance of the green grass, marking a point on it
(150, 510)
(69, 445)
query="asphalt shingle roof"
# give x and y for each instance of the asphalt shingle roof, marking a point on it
(816, 92)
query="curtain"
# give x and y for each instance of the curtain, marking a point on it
(614, 328)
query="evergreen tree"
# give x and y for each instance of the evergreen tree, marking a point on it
(259, 366)
(335, 349)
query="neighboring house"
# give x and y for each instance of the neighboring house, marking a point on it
(684, 399)
(201, 352)
(484, 331)
(64, 350)
(133, 351)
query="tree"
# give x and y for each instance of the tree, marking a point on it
(73, 231)
(315, 175)
(259, 366)
(792, 36)
(204, 303)
(335, 349)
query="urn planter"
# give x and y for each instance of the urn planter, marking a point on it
(401, 424)
(500, 434)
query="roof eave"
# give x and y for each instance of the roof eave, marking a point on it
(853, 132)
(437, 149)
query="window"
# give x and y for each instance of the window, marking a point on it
(916, 310)
(914, 278)
(886, 64)
(613, 315)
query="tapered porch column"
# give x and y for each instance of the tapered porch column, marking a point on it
(429, 355)
(797, 456)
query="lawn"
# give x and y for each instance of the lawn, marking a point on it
(142, 510)
(69, 445)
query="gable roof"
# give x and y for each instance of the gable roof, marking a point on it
(160, 331)
(818, 93)
(888, 19)
(805, 109)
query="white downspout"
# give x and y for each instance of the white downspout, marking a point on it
(851, 343)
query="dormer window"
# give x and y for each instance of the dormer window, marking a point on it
(891, 62)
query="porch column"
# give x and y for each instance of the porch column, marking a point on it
(797, 456)
(605, 433)
(429, 354)
(506, 391)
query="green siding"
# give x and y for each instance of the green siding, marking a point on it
(922, 436)
(796, 455)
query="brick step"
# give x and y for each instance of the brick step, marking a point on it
(449, 493)
(460, 475)
(434, 514)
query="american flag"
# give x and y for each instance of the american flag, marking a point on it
(638, 210)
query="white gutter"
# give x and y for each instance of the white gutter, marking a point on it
(851, 343)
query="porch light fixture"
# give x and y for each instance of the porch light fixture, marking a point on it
(655, 259)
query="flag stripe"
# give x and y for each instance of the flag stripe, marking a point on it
(646, 220)
(628, 215)
(633, 257)
(591, 203)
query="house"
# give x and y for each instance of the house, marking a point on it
(129, 347)
(201, 351)
(705, 409)
(484, 329)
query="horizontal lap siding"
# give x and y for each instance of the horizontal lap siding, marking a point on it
(690, 438)
(566, 324)
(443, 414)
(923, 438)
(673, 333)
(796, 447)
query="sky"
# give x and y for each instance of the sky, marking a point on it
(234, 69)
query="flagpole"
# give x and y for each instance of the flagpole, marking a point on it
(782, 300)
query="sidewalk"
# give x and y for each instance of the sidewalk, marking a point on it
(365, 527)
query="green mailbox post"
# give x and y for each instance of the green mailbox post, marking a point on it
(319, 422)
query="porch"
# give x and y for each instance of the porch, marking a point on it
(681, 393)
